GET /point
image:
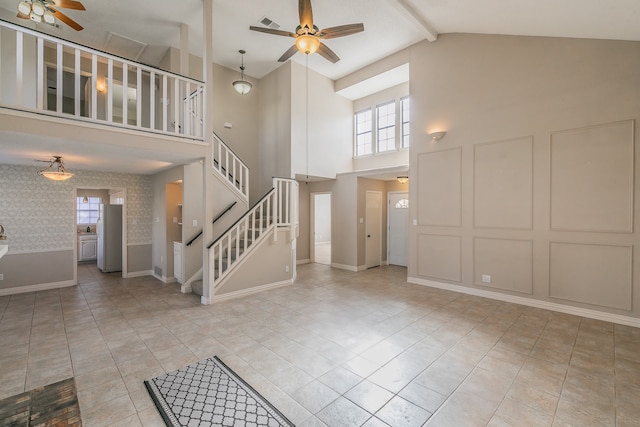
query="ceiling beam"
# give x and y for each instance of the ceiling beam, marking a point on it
(409, 12)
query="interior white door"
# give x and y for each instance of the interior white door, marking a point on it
(321, 233)
(373, 228)
(398, 217)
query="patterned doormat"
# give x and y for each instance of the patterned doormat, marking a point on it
(209, 393)
(54, 405)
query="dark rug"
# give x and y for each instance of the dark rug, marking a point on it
(209, 393)
(54, 405)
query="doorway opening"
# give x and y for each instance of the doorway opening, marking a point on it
(99, 243)
(321, 228)
(373, 228)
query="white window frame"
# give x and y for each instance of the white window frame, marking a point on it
(405, 138)
(357, 133)
(386, 128)
(81, 207)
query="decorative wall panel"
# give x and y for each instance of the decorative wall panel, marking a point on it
(439, 188)
(508, 262)
(592, 178)
(503, 184)
(38, 215)
(440, 257)
(593, 274)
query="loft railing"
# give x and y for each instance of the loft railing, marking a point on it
(47, 75)
(231, 168)
(286, 204)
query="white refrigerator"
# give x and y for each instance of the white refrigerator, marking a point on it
(109, 230)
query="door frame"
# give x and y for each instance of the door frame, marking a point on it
(366, 224)
(389, 193)
(75, 226)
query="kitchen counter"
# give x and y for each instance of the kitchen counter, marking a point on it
(3, 250)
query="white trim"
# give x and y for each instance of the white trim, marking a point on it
(36, 288)
(140, 244)
(303, 261)
(38, 251)
(349, 267)
(139, 273)
(164, 279)
(547, 305)
(186, 286)
(251, 291)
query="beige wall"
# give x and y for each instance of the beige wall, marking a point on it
(535, 182)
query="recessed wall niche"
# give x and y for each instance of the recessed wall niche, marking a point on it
(503, 184)
(592, 178)
(439, 185)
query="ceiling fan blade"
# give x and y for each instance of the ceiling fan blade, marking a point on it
(64, 18)
(272, 31)
(327, 53)
(340, 31)
(306, 14)
(68, 4)
(288, 54)
(22, 16)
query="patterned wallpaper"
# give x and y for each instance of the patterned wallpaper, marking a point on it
(38, 214)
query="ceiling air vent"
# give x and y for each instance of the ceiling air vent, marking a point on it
(269, 23)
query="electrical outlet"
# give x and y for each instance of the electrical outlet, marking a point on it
(195, 223)
(175, 219)
(1, 276)
(486, 278)
(286, 269)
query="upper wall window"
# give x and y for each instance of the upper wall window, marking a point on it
(405, 111)
(364, 140)
(88, 211)
(386, 126)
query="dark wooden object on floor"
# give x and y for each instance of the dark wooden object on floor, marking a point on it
(54, 405)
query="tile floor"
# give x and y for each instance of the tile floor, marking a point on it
(336, 349)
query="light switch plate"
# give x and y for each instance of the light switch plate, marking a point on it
(195, 222)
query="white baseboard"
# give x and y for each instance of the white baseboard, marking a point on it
(303, 261)
(250, 291)
(164, 279)
(553, 306)
(139, 273)
(36, 288)
(349, 267)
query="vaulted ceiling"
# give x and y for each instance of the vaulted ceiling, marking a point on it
(390, 25)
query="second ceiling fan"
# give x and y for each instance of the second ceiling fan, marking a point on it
(309, 37)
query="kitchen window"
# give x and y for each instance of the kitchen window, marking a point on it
(88, 211)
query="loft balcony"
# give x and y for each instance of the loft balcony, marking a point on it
(49, 78)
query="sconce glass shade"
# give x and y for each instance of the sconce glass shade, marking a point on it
(37, 8)
(307, 44)
(403, 179)
(437, 136)
(48, 18)
(243, 87)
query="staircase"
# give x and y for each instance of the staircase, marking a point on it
(275, 211)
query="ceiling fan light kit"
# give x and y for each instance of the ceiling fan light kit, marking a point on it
(46, 11)
(242, 86)
(56, 170)
(309, 37)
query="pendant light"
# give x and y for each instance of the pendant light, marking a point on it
(242, 86)
(56, 170)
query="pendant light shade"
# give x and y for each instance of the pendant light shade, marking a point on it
(242, 86)
(56, 170)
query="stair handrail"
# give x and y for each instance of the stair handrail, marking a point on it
(244, 230)
(253, 207)
(230, 166)
(221, 214)
(194, 238)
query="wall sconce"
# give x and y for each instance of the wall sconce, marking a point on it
(403, 179)
(437, 136)
(101, 85)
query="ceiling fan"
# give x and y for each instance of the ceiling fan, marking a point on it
(46, 11)
(308, 36)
